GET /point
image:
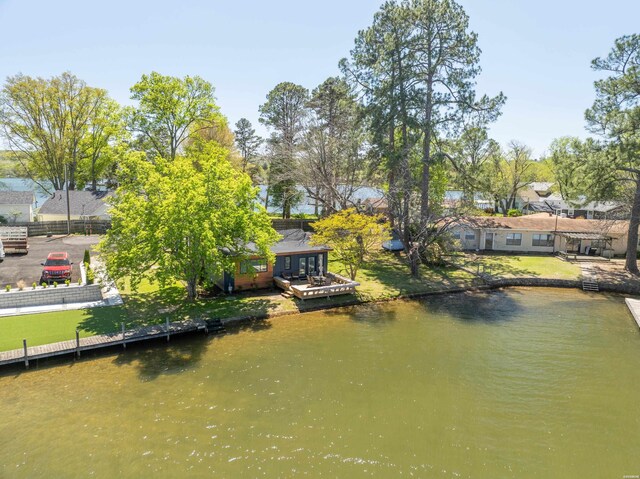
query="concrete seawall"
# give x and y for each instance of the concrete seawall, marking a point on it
(40, 297)
(634, 307)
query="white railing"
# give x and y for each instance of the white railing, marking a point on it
(341, 285)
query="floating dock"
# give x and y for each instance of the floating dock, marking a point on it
(124, 337)
(634, 307)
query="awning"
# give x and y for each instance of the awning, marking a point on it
(585, 236)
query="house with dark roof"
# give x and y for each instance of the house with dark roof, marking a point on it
(83, 205)
(581, 208)
(17, 206)
(295, 258)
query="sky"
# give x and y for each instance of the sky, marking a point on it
(537, 53)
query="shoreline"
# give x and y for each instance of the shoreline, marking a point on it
(490, 285)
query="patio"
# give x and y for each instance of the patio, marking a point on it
(585, 247)
(317, 286)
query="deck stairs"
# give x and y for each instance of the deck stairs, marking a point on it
(287, 294)
(590, 285)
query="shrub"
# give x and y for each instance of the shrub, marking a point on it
(90, 276)
(44, 284)
(67, 282)
(21, 284)
(87, 257)
(513, 213)
(8, 288)
(79, 281)
(34, 285)
(55, 284)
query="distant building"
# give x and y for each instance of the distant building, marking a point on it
(375, 206)
(17, 206)
(84, 205)
(581, 208)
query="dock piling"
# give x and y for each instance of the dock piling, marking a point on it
(124, 345)
(167, 328)
(77, 342)
(26, 354)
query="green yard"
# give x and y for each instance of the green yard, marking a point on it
(387, 277)
(510, 266)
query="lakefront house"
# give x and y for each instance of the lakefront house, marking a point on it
(296, 258)
(542, 233)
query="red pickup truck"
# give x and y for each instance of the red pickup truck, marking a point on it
(57, 267)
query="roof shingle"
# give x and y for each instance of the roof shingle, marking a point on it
(82, 203)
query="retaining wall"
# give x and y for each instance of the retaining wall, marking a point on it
(543, 282)
(40, 297)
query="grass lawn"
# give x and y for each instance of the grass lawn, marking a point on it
(509, 266)
(386, 277)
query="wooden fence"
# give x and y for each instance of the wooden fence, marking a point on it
(43, 228)
(292, 224)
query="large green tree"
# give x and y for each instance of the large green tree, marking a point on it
(171, 111)
(284, 113)
(179, 219)
(60, 126)
(615, 115)
(334, 163)
(247, 141)
(417, 66)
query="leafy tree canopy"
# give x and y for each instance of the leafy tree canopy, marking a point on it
(185, 219)
(171, 111)
(353, 236)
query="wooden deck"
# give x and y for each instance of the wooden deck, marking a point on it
(101, 341)
(302, 290)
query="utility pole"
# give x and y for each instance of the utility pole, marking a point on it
(66, 182)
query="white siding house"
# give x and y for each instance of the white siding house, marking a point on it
(542, 233)
(17, 206)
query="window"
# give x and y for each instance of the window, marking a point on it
(571, 212)
(542, 240)
(303, 266)
(287, 262)
(456, 235)
(312, 264)
(514, 239)
(469, 236)
(253, 266)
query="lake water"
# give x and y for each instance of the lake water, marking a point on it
(307, 205)
(519, 383)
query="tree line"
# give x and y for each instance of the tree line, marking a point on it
(404, 116)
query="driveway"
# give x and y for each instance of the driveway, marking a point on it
(27, 266)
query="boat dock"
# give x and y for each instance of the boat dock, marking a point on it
(634, 307)
(101, 341)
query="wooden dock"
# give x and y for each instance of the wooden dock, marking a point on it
(634, 307)
(124, 337)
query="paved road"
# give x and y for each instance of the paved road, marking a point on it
(27, 266)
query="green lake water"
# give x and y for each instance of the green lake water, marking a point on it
(519, 383)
